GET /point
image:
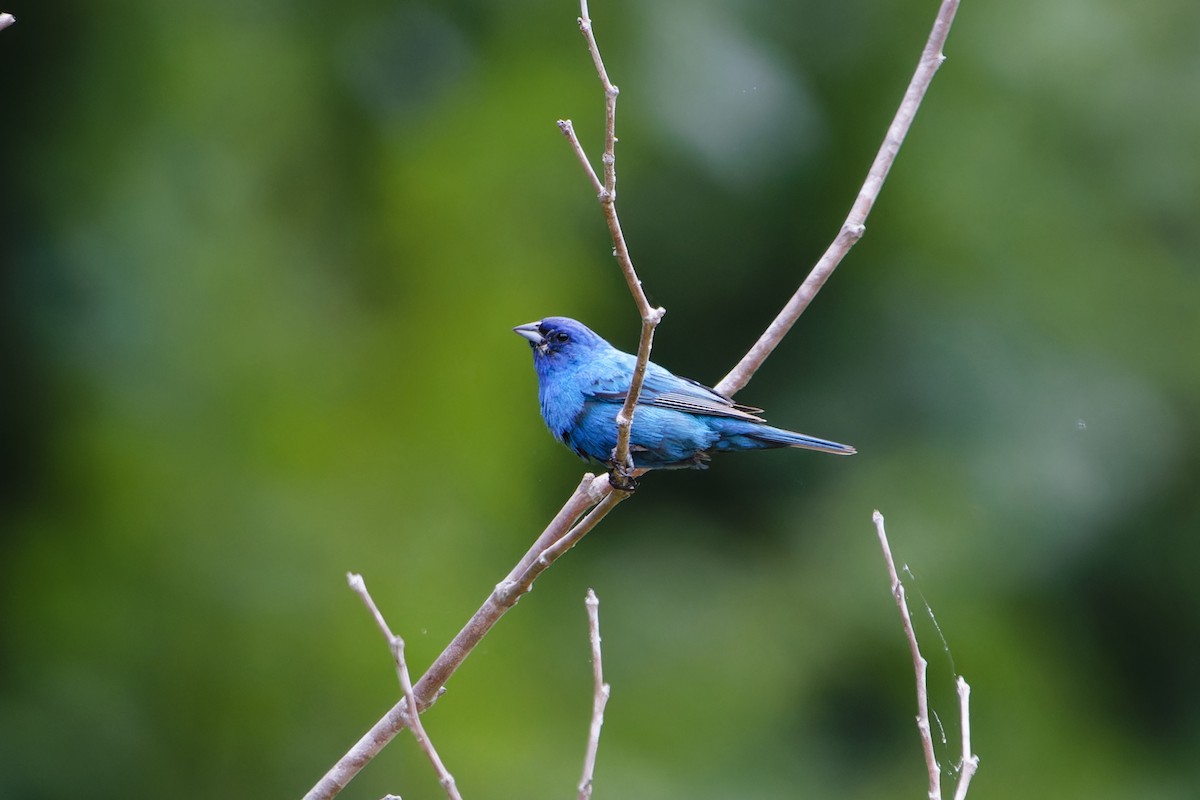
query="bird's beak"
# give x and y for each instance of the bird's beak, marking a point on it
(530, 331)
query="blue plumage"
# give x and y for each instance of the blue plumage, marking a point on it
(583, 380)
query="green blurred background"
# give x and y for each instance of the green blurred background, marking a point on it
(260, 265)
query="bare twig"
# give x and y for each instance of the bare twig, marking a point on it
(920, 665)
(396, 645)
(607, 194)
(855, 224)
(970, 761)
(568, 130)
(610, 102)
(359, 587)
(600, 695)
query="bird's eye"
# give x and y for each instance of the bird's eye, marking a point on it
(558, 337)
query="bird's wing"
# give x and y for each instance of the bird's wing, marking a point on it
(666, 390)
(698, 404)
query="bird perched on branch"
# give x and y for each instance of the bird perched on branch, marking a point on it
(678, 423)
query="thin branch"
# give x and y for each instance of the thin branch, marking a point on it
(560, 547)
(396, 645)
(592, 491)
(607, 194)
(970, 761)
(621, 458)
(920, 665)
(855, 224)
(601, 691)
(359, 587)
(568, 130)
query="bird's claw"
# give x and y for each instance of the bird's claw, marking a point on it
(621, 480)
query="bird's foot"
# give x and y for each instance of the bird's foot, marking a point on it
(622, 481)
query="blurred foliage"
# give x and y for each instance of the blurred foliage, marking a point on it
(260, 263)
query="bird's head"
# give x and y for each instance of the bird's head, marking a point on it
(559, 336)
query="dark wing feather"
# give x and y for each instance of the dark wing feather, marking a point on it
(665, 390)
(716, 406)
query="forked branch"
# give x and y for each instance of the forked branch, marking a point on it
(606, 192)
(590, 492)
(920, 669)
(597, 493)
(413, 719)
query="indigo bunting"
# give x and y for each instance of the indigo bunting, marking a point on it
(678, 423)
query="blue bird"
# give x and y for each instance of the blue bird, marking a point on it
(678, 423)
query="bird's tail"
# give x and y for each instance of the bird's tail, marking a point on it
(778, 437)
